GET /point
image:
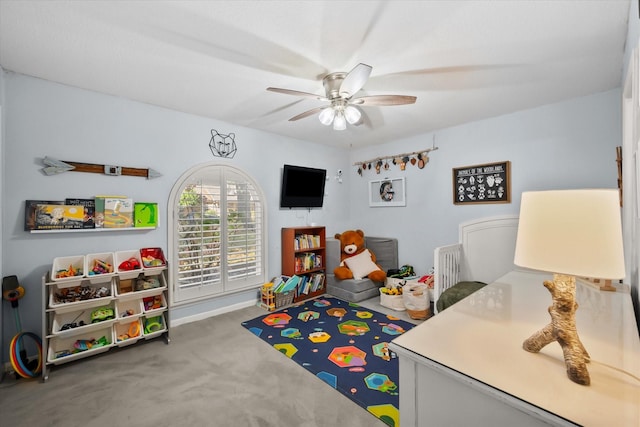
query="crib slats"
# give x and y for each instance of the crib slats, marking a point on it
(446, 268)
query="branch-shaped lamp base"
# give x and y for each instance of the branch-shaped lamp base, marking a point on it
(563, 329)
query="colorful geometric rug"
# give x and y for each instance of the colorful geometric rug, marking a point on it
(344, 345)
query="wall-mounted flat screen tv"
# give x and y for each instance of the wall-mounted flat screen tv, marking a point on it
(302, 187)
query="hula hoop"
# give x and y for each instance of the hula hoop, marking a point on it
(16, 360)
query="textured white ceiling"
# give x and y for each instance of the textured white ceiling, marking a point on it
(464, 60)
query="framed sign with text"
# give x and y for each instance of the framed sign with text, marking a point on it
(488, 183)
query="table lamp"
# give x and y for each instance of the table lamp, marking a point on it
(569, 233)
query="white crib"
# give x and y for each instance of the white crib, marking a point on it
(485, 253)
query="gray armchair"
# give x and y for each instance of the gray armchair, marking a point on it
(356, 290)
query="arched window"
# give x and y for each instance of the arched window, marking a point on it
(217, 237)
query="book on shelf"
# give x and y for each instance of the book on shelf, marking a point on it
(30, 211)
(306, 241)
(98, 219)
(99, 209)
(317, 281)
(58, 217)
(303, 286)
(145, 214)
(311, 283)
(89, 210)
(307, 261)
(118, 212)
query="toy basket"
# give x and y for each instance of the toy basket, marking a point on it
(393, 302)
(284, 298)
(416, 300)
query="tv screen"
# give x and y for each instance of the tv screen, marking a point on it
(302, 187)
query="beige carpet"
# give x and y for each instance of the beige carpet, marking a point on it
(213, 373)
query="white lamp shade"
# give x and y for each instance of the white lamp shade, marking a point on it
(326, 116)
(575, 232)
(339, 123)
(352, 114)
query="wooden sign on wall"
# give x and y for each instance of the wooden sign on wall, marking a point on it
(488, 183)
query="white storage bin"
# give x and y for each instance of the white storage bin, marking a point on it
(65, 264)
(153, 326)
(80, 316)
(393, 302)
(69, 296)
(123, 256)
(154, 304)
(128, 333)
(100, 268)
(154, 271)
(146, 290)
(63, 349)
(128, 310)
(124, 287)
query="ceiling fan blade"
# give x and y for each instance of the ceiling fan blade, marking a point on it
(382, 100)
(355, 80)
(457, 77)
(297, 93)
(307, 114)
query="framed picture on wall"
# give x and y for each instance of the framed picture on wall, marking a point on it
(488, 183)
(387, 192)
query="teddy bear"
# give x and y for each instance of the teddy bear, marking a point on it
(357, 261)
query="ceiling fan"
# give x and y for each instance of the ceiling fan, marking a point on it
(340, 88)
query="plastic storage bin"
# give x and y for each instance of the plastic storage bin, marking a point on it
(63, 322)
(128, 264)
(68, 268)
(128, 310)
(128, 333)
(153, 326)
(149, 285)
(68, 296)
(153, 260)
(124, 287)
(153, 305)
(100, 268)
(67, 349)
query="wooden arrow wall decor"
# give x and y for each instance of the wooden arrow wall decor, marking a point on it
(55, 167)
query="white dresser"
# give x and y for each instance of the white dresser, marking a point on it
(466, 366)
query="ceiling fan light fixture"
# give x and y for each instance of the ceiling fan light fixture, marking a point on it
(340, 89)
(339, 122)
(327, 115)
(352, 114)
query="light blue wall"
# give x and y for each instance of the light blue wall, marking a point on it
(633, 33)
(562, 145)
(565, 145)
(49, 119)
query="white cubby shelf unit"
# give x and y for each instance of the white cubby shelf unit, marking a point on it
(137, 301)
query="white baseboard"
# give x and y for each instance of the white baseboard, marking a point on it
(212, 313)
